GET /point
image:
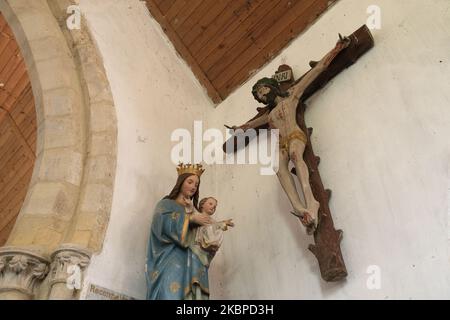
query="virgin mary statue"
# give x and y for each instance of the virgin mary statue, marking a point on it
(173, 271)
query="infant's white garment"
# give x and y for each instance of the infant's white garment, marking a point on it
(210, 237)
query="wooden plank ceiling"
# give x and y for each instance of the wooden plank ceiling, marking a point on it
(226, 41)
(17, 130)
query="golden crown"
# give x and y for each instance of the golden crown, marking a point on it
(190, 168)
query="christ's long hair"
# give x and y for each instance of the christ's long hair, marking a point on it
(177, 189)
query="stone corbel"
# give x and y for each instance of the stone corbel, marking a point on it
(68, 265)
(21, 271)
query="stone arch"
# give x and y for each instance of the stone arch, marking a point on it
(66, 210)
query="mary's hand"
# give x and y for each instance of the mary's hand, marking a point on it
(188, 205)
(201, 219)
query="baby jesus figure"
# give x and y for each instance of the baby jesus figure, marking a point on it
(208, 238)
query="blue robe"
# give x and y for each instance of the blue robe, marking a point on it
(173, 271)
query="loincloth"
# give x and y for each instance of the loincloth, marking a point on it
(296, 134)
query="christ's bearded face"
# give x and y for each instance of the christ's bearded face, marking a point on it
(266, 94)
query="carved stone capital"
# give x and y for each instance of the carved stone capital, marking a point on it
(21, 270)
(63, 258)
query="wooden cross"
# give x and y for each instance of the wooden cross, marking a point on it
(327, 239)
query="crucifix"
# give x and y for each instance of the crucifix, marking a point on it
(285, 107)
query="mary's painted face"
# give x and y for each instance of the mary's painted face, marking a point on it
(190, 186)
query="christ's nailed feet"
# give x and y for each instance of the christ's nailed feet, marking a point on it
(307, 221)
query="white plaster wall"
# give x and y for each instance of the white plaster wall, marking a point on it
(381, 129)
(154, 93)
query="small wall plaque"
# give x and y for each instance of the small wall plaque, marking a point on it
(283, 76)
(98, 293)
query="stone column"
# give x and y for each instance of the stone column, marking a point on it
(21, 271)
(67, 268)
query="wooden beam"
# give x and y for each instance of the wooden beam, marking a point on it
(207, 18)
(177, 20)
(290, 32)
(20, 135)
(164, 6)
(183, 50)
(219, 55)
(193, 22)
(233, 14)
(14, 196)
(5, 232)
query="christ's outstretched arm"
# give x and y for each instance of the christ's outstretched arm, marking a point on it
(299, 88)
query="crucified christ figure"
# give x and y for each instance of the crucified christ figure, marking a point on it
(281, 115)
